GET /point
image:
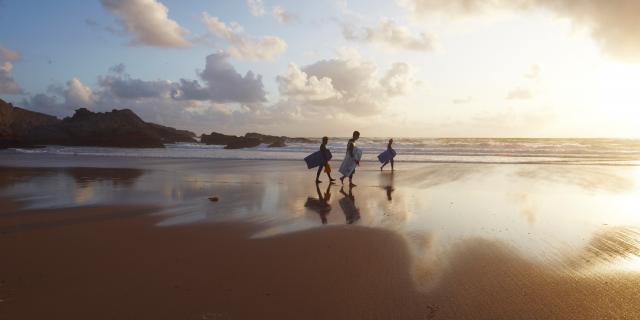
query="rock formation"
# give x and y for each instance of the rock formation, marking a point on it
(118, 128)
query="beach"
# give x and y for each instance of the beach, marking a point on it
(99, 237)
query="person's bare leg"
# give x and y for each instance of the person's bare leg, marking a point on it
(351, 184)
(384, 164)
(391, 164)
(318, 174)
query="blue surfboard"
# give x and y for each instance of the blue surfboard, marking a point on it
(316, 159)
(386, 155)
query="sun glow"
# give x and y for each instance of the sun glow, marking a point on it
(619, 96)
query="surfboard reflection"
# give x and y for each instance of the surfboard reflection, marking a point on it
(348, 206)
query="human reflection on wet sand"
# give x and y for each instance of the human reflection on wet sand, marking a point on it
(386, 180)
(348, 205)
(321, 204)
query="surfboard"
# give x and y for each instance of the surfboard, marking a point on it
(316, 159)
(386, 155)
(349, 164)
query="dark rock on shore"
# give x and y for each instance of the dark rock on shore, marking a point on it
(16, 122)
(265, 138)
(273, 141)
(229, 141)
(303, 140)
(172, 135)
(217, 138)
(242, 142)
(277, 144)
(278, 141)
(250, 139)
(118, 128)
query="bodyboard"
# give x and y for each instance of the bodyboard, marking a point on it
(349, 164)
(386, 155)
(316, 159)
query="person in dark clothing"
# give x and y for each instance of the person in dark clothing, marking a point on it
(325, 164)
(350, 156)
(390, 149)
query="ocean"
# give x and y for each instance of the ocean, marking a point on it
(428, 150)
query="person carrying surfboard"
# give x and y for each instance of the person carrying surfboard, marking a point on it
(325, 165)
(351, 159)
(391, 152)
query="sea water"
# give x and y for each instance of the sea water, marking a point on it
(428, 150)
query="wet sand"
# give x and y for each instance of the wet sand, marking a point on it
(144, 242)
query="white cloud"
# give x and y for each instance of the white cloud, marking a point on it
(298, 84)
(282, 15)
(223, 84)
(391, 35)
(399, 80)
(226, 98)
(533, 73)
(78, 94)
(74, 95)
(243, 46)
(347, 85)
(256, 7)
(8, 85)
(613, 24)
(519, 94)
(148, 22)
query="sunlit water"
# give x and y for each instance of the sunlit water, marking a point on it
(559, 151)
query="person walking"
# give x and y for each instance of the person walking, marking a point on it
(325, 165)
(351, 159)
(393, 152)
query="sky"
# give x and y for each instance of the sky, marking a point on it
(397, 68)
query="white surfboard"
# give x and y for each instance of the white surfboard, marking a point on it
(349, 163)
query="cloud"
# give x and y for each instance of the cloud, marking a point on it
(78, 94)
(613, 24)
(462, 100)
(223, 84)
(127, 88)
(256, 7)
(399, 80)
(519, 94)
(74, 95)
(348, 84)
(8, 85)
(282, 15)
(148, 22)
(225, 97)
(243, 46)
(391, 35)
(298, 84)
(533, 73)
